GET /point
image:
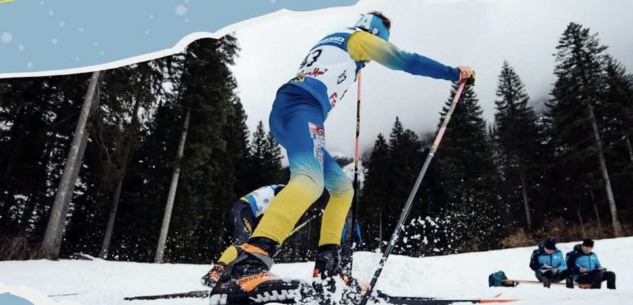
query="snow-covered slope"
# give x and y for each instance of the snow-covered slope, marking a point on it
(453, 276)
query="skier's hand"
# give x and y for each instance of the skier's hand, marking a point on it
(582, 270)
(546, 266)
(467, 75)
(555, 270)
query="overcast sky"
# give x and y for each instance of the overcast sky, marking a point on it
(480, 34)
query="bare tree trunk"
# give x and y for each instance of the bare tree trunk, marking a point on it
(105, 245)
(605, 174)
(627, 141)
(595, 209)
(127, 146)
(56, 223)
(582, 227)
(162, 239)
(526, 204)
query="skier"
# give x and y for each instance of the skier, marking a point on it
(586, 268)
(246, 212)
(548, 263)
(297, 123)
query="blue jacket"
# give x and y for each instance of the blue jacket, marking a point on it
(554, 260)
(577, 259)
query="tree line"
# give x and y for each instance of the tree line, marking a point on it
(566, 166)
(113, 204)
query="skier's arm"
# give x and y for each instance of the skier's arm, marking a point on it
(363, 46)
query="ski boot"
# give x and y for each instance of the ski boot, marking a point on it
(246, 279)
(328, 275)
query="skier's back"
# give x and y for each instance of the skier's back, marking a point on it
(297, 123)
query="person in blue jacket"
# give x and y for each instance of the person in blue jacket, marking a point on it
(297, 121)
(548, 263)
(586, 267)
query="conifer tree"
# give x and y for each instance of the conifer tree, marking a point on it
(272, 158)
(517, 136)
(471, 213)
(376, 194)
(617, 112)
(576, 94)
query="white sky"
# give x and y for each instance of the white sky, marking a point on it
(480, 34)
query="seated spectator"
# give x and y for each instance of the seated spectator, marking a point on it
(548, 263)
(586, 268)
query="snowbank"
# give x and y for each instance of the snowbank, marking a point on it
(102, 282)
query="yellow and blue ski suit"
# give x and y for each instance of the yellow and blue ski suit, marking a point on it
(297, 123)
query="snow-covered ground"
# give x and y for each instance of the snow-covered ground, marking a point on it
(453, 276)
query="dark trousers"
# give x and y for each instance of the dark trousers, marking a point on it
(242, 221)
(554, 278)
(596, 277)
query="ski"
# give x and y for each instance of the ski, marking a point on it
(403, 300)
(190, 294)
(66, 294)
(430, 301)
(380, 298)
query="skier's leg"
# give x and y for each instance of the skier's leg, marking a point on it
(296, 122)
(341, 192)
(303, 137)
(243, 221)
(329, 264)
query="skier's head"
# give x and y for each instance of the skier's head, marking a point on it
(376, 23)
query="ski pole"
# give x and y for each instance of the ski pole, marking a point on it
(356, 167)
(297, 228)
(407, 206)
